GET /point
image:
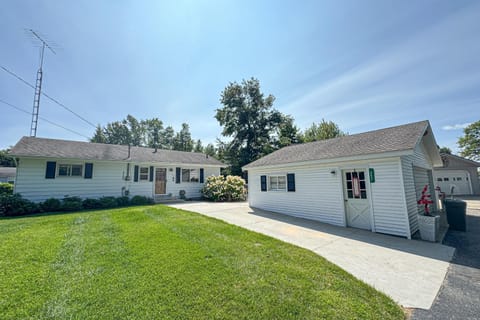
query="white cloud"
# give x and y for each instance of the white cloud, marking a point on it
(456, 126)
(423, 70)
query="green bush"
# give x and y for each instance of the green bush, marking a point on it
(108, 202)
(90, 203)
(14, 205)
(72, 204)
(219, 188)
(6, 188)
(51, 205)
(123, 201)
(140, 200)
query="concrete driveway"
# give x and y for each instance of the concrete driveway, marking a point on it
(459, 297)
(409, 271)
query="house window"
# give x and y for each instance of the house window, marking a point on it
(446, 179)
(277, 183)
(143, 173)
(439, 179)
(459, 178)
(190, 175)
(70, 170)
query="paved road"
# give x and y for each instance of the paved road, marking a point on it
(409, 271)
(459, 297)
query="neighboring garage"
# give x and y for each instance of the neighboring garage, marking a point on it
(458, 176)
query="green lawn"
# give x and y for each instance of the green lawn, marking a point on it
(155, 262)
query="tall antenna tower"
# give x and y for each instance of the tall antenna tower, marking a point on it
(38, 83)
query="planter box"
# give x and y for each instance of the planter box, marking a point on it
(429, 227)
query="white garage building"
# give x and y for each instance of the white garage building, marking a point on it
(369, 180)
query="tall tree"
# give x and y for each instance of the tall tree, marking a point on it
(153, 133)
(135, 129)
(99, 135)
(446, 150)
(183, 139)
(470, 142)
(168, 137)
(6, 160)
(117, 133)
(248, 118)
(322, 131)
(198, 146)
(288, 133)
(210, 150)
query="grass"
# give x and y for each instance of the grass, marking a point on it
(156, 262)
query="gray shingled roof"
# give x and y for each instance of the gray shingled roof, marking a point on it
(400, 138)
(53, 148)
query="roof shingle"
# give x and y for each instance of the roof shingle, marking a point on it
(399, 138)
(53, 148)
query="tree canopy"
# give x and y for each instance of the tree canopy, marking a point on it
(322, 131)
(249, 119)
(470, 142)
(6, 160)
(446, 150)
(146, 133)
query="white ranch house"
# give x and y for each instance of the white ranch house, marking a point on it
(369, 180)
(50, 168)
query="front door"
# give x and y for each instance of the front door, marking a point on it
(357, 205)
(160, 180)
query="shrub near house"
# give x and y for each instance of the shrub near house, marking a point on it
(219, 188)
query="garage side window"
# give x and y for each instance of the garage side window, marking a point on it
(277, 183)
(70, 170)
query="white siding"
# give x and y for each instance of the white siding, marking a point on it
(389, 209)
(420, 160)
(318, 194)
(107, 180)
(192, 189)
(410, 193)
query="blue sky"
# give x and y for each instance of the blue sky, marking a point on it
(362, 64)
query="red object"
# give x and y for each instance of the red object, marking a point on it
(425, 199)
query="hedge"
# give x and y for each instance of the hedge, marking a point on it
(15, 205)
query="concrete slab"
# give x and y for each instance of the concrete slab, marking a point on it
(409, 271)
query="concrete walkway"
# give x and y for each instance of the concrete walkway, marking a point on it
(409, 271)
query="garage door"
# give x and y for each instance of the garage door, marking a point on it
(458, 179)
(421, 178)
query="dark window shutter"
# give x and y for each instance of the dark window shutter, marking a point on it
(135, 174)
(88, 171)
(151, 174)
(202, 178)
(51, 168)
(263, 183)
(178, 172)
(291, 182)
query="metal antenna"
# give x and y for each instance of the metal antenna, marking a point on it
(38, 84)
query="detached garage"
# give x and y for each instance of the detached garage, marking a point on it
(370, 180)
(457, 175)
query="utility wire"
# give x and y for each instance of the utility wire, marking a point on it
(47, 96)
(46, 120)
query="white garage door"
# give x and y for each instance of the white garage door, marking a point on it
(458, 179)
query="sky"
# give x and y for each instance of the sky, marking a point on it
(363, 64)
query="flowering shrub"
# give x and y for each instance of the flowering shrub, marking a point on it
(219, 188)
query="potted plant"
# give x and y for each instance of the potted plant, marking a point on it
(428, 224)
